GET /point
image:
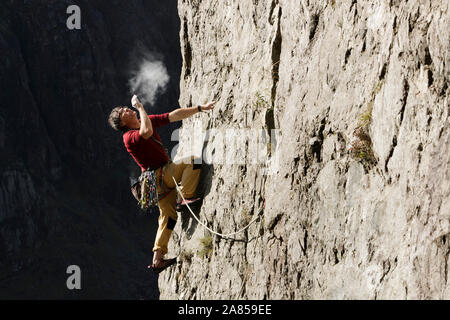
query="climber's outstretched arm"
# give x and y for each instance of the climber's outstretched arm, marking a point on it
(183, 113)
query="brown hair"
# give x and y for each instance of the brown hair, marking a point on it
(114, 119)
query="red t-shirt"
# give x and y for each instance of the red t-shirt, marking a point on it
(146, 152)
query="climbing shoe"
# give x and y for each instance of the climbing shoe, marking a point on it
(182, 204)
(165, 264)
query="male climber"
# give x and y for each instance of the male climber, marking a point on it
(144, 144)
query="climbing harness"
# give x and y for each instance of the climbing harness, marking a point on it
(205, 226)
(145, 189)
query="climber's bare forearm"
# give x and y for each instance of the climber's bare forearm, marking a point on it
(183, 113)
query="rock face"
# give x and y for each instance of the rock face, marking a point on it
(64, 189)
(356, 204)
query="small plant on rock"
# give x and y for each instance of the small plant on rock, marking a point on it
(207, 247)
(361, 147)
(262, 102)
(366, 118)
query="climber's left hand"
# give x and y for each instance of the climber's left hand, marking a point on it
(208, 106)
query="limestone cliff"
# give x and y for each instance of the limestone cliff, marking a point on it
(358, 206)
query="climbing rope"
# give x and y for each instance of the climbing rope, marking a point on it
(205, 226)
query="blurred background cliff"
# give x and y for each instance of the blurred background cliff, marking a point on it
(65, 175)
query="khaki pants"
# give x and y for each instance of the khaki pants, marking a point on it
(183, 171)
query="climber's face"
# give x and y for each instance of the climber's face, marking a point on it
(128, 117)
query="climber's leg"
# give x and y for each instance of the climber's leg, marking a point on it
(166, 223)
(185, 172)
(189, 179)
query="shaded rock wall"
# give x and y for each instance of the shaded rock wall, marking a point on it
(339, 221)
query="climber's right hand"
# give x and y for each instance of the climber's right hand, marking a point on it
(135, 102)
